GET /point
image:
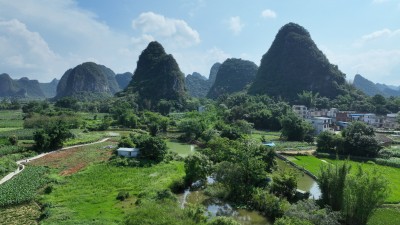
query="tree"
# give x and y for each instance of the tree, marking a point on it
(329, 142)
(284, 184)
(192, 128)
(197, 168)
(359, 139)
(308, 212)
(331, 181)
(52, 136)
(308, 99)
(294, 128)
(364, 192)
(152, 148)
(243, 171)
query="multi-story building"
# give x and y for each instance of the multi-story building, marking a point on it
(321, 124)
(301, 111)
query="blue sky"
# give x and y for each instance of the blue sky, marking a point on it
(41, 39)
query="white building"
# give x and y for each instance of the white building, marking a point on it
(301, 111)
(321, 124)
(128, 152)
(371, 119)
(332, 114)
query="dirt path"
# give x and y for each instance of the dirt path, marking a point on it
(21, 163)
(295, 152)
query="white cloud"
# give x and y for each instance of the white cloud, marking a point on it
(235, 24)
(64, 36)
(376, 35)
(23, 49)
(377, 65)
(268, 14)
(159, 26)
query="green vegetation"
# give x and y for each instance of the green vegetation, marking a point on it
(296, 129)
(355, 196)
(384, 216)
(26, 214)
(51, 137)
(310, 163)
(294, 64)
(23, 187)
(197, 168)
(84, 200)
(157, 77)
(233, 76)
(391, 174)
(87, 78)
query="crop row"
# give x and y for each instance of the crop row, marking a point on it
(10, 149)
(22, 134)
(11, 115)
(11, 123)
(23, 187)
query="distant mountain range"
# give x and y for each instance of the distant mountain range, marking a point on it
(197, 85)
(291, 65)
(22, 88)
(370, 88)
(85, 78)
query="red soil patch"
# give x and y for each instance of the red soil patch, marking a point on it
(73, 160)
(73, 170)
(53, 160)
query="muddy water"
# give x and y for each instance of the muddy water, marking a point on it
(305, 182)
(216, 207)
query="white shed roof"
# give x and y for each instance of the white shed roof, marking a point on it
(127, 149)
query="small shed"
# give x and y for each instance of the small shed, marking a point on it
(269, 144)
(128, 152)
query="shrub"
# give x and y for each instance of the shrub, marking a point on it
(178, 186)
(268, 204)
(122, 195)
(165, 194)
(223, 220)
(13, 140)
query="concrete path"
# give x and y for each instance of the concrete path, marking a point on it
(21, 163)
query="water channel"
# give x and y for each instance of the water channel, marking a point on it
(216, 207)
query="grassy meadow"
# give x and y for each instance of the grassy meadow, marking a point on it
(89, 197)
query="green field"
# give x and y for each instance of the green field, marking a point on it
(89, 197)
(22, 188)
(312, 164)
(269, 135)
(81, 137)
(385, 216)
(11, 119)
(180, 148)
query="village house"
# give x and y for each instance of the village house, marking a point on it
(344, 116)
(301, 111)
(128, 152)
(390, 121)
(372, 119)
(321, 124)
